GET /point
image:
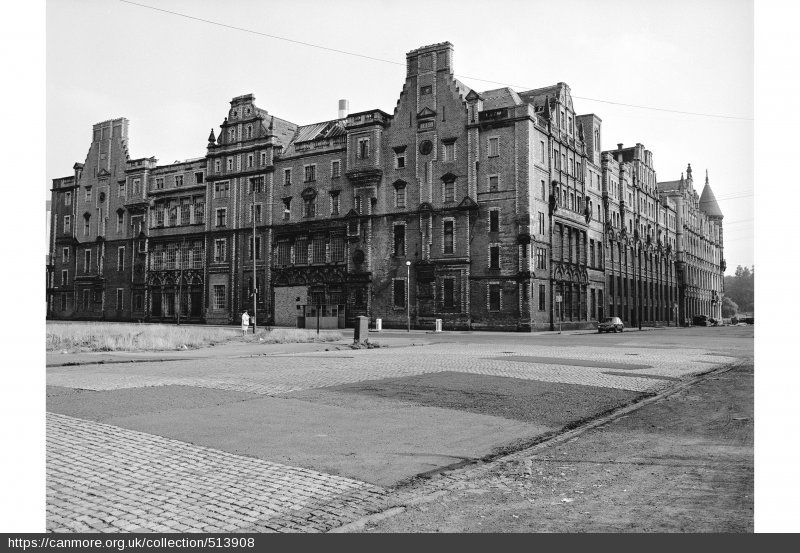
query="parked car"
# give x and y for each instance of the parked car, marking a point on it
(610, 324)
(701, 320)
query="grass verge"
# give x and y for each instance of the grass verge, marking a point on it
(71, 338)
(133, 337)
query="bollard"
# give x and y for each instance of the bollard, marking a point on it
(361, 330)
(438, 327)
(378, 324)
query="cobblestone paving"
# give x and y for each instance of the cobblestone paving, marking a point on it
(283, 374)
(101, 478)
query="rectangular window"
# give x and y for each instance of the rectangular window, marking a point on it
(250, 213)
(64, 277)
(250, 247)
(217, 166)
(86, 226)
(363, 148)
(67, 224)
(449, 153)
(257, 185)
(121, 258)
(250, 160)
(287, 208)
(88, 197)
(494, 297)
(219, 296)
(541, 297)
(318, 249)
(399, 240)
(86, 300)
(336, 169)
(219, 250)
(494, 220)
(283, 254)
(450, 191)
(449, 242)
(199, 212)
(400, 197)
(591, 253)
(178, 180)
(541, 258)
(310, 173)
(198, 178)
(423, 90)
(337, 248)
(222, 217)
(63, 302)
(287, 177)
(335, 204)
(186, 211)
(120, 220)
(301, 251)
(87, 260)
(263, 158)
(121, 190)
(541, 222)
(357, 201)
(541, 150)
(494, 257)
(159, 183)
(229, 164)
(68, 198)
(399, 292)
(310, 207)
(221, 189)
(65, 255)
(119, 305)
(494, 146)
(493, 183)
(448, 293)
(400, 161)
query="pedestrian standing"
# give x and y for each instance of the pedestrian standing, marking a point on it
(245, 323)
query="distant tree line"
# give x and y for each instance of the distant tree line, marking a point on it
(739, 292)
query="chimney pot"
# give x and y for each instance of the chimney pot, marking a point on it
(344, 108)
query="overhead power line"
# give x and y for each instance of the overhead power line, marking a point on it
(382, 60)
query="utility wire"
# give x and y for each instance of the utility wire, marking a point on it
(356, 54)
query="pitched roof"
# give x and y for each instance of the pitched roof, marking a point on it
(708, 203)
(315, 131)
(500, 98)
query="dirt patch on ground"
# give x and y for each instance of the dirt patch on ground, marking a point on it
(546, 403)
(684, 464)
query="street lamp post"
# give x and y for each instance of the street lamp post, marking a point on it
(408, 296)
(255, 281)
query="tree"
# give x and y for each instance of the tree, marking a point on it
(729, 307)
(740, 288)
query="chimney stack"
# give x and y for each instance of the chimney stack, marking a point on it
(344, 108)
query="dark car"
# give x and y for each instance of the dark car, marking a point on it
(610, 324)
(701, 320)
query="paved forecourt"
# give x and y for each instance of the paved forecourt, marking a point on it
(310, 441)
(105, 478)
(277, 375)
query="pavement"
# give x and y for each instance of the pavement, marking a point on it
(297, 438)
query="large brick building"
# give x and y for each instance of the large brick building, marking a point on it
(488, 210)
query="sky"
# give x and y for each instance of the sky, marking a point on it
(173, 77)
